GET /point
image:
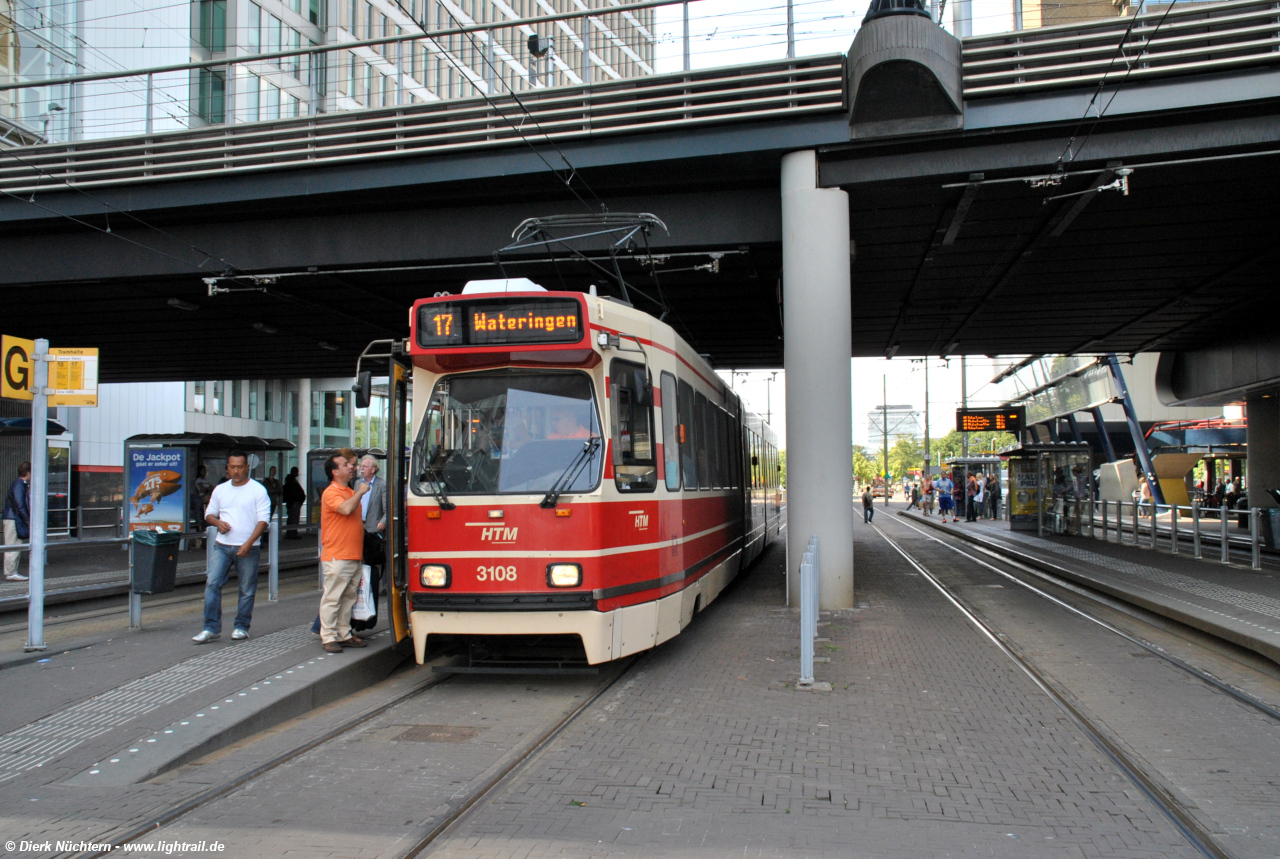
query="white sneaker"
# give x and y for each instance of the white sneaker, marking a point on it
(240, 635)
(205, 637)
(16, 577)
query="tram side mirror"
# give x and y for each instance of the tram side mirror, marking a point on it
(363, 389)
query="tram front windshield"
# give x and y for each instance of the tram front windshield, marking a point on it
(512, 431)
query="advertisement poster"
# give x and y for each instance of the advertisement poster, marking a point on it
(1024, 480)
(155, 480)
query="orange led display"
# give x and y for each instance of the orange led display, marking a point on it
(991, 420)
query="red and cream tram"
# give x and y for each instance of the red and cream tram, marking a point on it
(577, 472)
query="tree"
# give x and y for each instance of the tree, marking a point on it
(864, 469)
(907, 454)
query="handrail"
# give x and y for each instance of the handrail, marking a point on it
(1183, 40)
(773, 90)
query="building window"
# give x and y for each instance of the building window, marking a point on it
(219, 401)
(291, 105)
(236, 390)
(212, 32)
(197, 397)
(255, 29)
(253, 400)
(268, 402)
(294, 64)
(211, 96)
(251, 97)
(271, 109)
(316, 13)
(273, 36)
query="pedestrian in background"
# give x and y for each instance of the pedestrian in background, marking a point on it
(341, 553)
(868, 506)
(17, 520)
(272, 485)
(927, 493)
(970, 498)
(294, 495)
(993, 497)
(946, 503)
(240, 510)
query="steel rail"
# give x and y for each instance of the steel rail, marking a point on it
(435, 680)
(1169, 805)
(1203, 676)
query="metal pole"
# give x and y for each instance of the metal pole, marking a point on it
(150, 99)
(1135, 431)
(1135, 522)
(807, 588)
(687, 64)
(135, 599)
(1255, 513)
(273, 560)
(1017, 14)
(1195, 529)
(39, 501)
(1104, 521)
(791, 30)
(1226, 548)
(1107, 449)
(1173, 529)
(928, 459)
(884, 429)
(964, 396)
(210, 536)
(79, 523)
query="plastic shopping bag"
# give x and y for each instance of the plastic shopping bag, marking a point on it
(364, 609)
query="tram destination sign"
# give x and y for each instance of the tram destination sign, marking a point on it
(500, 322)
(1011, 419)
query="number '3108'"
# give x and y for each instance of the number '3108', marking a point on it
(495, 574)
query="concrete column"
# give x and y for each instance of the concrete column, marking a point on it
(1264, 448)
(304, 426)
(816, 310)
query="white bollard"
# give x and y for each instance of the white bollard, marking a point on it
(273, 560)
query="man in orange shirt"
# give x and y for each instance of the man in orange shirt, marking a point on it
(341, 553)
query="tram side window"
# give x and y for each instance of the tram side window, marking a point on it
(670, 432)
(634, 467)
(721, 448)
(705, 440)
(688, 436)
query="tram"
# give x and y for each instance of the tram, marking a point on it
(577, 475)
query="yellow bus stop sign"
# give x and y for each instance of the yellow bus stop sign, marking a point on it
(17, 368)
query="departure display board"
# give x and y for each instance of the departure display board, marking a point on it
(500, 322)
(1011, 419)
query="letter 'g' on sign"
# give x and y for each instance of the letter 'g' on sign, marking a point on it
(17, 369)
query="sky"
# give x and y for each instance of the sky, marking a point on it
(904, 379)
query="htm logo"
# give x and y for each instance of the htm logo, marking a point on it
(499, 534)
(642, 521)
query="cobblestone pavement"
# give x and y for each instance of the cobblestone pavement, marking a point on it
(1220, 756)
(932, 744)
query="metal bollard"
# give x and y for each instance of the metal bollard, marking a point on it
(1195, 529)
(273, 560)
(1255, 515)
(135, 600)
(808, 622)
(1226, 546)
(1173, 529)
(1155, 519)
(79, 523)
(1135, 523)
(1105, 538)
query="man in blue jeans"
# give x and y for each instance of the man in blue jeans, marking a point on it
(240, 509)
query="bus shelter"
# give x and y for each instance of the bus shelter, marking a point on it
(161, 470)
(1051, 488)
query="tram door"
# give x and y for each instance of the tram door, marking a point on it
(397, 482)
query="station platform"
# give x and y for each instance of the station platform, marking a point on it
(102, 570)
(1229, 601)
(929, 744)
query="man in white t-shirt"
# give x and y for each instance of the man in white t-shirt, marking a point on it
(240, 509)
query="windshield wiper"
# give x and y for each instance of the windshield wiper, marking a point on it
(437, 490)
(571, 472)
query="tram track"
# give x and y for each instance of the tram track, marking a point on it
(420, 845)
(1147, 782)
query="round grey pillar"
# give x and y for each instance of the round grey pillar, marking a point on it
(816, 326)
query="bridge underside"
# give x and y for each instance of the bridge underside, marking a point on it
(945, 262)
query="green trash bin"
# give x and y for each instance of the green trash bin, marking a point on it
(155, 562)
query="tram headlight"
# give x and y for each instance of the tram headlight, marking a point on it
(564, 575)
(434, 575)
